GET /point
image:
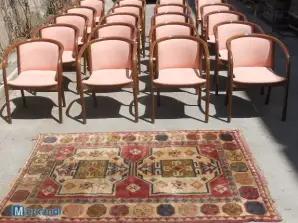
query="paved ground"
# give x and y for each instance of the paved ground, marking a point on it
(273, 143)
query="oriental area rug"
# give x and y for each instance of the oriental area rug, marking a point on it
(140, 177)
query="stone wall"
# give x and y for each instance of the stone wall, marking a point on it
(18, 17)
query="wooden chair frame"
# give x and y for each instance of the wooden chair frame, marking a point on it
(202, 21)
(241, 17)
(284, 83)
(254, 27)
(76, 31)
(53, 20)
(153, 61)
(58, 87)
(81, 86)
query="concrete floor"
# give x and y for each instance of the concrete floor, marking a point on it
(273, 143)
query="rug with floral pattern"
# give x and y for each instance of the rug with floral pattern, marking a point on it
(177, 176)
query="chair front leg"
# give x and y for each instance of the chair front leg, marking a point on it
(24, 99)
(199, 92)
(230, 95)
(9, 119)
(135, 96)
(207, 104)
(60, 104)
(153, 104)
(158, 97)
(268, 95)
(82, 101)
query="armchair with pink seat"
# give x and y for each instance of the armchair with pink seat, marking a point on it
(112, 66)
(87, 11)
(214, 7)
(177, 62)
(39, 69)
(67, 35)
(98, 5)
(251, 62)
(222, 32)
(78, 20)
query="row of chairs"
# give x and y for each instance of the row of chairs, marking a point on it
(110, 46)
(82, 31)
(239, 45)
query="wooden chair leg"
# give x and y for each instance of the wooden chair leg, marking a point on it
(285, 105)
(230, 89)
(63, 98)
(24, 99)
(85, 64)
(153, 106)
(207, 104)
(158, 97)
(94, 99)
(82, 101)
(135, 95)
(227, 94)
(199, 92)
(268, 96)
(8, 105)
(60, 105)
(216, 77)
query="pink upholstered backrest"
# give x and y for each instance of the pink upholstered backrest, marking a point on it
(218, 18)
(83, 11)
(169, 8)
(38, 56)
(171, 2)
(213, 8)
(121, 18)
(129, 9)
(226, 31)
(169, 18)
(251, 52)
(110, 54)
(96, 4)
(76, 21)
(131, 2)
(205, 2)
(115, 31)
(178, 53)
(172, 30)
(64, 35)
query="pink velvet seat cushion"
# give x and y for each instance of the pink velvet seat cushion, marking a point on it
(256, 75)
(223, 54)
(109, 77)
(67, 57)
(34, 78)
(179, 77)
